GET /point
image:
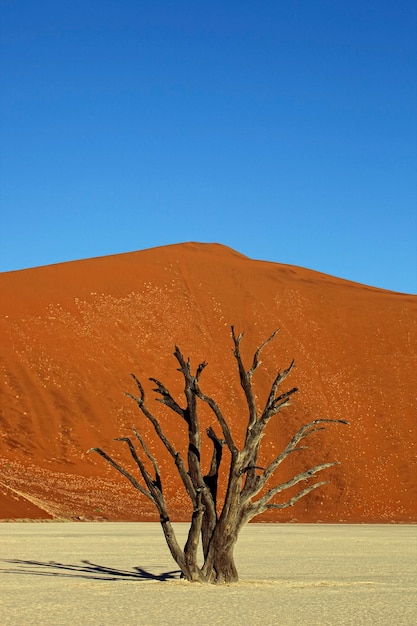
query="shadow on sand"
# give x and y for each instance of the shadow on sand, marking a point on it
(87, 570)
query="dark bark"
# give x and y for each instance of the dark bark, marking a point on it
(248, 493)
(224, 564)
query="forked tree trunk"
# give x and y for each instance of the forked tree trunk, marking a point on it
(220, 556)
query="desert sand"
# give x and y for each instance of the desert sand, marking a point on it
(291, 574)
(71, 334)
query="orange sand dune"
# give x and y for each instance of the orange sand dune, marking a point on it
(71, 334)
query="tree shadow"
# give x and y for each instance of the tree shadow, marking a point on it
(87, 570)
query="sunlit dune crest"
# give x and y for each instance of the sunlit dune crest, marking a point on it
(72, 333)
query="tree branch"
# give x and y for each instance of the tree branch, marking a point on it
(297, 497)
(150, 482)
(256, 362)
(262, 502)
(150, 457)
(246, 377)
(217, 451)
(155, 423)
(280, 377)
(122, 471)
(252, 489)
(206, 493)
(166, 398)
(220, 418)
(191, 416)
(140, 401)
(191, 546)
(211, 479)
(272, 409)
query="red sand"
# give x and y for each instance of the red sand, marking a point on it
(72, 333)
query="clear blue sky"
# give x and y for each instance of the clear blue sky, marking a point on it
(285, 129)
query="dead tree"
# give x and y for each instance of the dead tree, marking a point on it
(248, 491)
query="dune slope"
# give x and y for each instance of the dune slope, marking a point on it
(71, 333)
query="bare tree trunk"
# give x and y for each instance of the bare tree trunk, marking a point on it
(224, 564)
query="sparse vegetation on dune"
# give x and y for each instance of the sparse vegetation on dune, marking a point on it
(72, 333)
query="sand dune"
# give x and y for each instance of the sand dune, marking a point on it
(70, 335)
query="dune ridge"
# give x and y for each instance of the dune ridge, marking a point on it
(71, 334)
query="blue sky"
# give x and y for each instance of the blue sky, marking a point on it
(285, 129)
